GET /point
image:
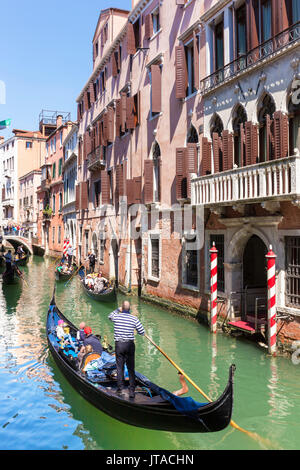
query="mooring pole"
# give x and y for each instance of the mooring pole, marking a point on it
(213, 288)
(271, 301)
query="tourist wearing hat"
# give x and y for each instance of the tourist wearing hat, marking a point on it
(92, 340)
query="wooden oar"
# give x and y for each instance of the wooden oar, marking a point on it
(253, 435)
(20, 274)
(72, 275)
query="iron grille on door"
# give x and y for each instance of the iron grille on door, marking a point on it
(292, 273)
(155, 257)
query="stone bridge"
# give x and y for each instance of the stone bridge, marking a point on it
(29, 245)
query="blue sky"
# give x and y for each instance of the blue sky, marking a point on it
(46, 56)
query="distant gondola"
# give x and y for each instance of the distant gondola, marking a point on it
(62, 276)
(152, 407)
(107, 295)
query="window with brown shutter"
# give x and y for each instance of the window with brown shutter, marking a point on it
(227, 139)
(123, 111)
(148, 179)
(251, 143)
(180, 72)
(148, 26)
(85, 100)
(119, 182)
(105, 128)
(130, 113)
(181, 183)
(114, 66)
(84, 198)
(77, 197)
(196, 60)
(92, 93)
(281, 132)
(216, 152)
(105, 187)
(206, 157)
(130, 39)
(118, 117)
(110, 124)
(155, 88)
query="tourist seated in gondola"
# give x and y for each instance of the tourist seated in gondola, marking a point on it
(20, 252)
(92, 340)
(80, 332)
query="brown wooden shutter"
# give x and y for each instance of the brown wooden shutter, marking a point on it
(84, 195)
(251, 143)
(105, 187)
(77, 197)
(280, 135)
(191, 158)
(282, 13)
(227, 139)
(216, 151)
(196, 60)
(118, 117)
(123, 111)
(137, 190)
(137, 108)
(148, 26)
(78, 112)
(79, 152)
(243, 145)
(119, 182)
(110, 124)
(156, 88)
(180, 171)
(105, 128)
(130, 38)
(130, 112)
(180, 72)
(86, 101)
(114, 65)
(92, 93)
(148, 178)
(206, 157)
(252, 24)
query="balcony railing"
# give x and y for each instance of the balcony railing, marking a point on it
(287, 37)
(271, 181)
(45, 184)
(96, 160)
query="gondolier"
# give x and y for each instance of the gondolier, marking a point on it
(92, 259)
(124, 326)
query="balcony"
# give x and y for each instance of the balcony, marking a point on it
(282, 41)
(45, 184)
(8, 202)
(96, 160)
(274, 180)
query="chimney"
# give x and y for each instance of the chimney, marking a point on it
(59, 120)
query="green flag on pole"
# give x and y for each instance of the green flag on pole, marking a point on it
(4, 124)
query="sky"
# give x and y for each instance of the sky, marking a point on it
(45, 56)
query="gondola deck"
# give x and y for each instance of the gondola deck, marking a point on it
(150, 408)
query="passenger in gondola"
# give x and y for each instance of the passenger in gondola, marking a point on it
(80, 333)
(60, 329)
(20, 252)
(92, 340)
(82, 353)
(8, 260)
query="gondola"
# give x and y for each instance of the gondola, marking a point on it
(12, 276)
(107, 295)
(22, 261)
(152, 407)
(61, 276)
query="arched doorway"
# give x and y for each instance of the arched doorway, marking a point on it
(255, 280)
(254, 263)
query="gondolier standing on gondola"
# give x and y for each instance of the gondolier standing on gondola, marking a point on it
(124, 326)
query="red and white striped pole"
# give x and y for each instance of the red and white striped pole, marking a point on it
(271, 301)
(213, 287)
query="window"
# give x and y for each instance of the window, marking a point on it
(86, 236)
(191, 263)
(189, 53)
(137, 33)
(28, 145)
(53, 234)
(97, 191)
(156, 172)
(239, 120)
(59, 235)
(155, 20)
(266, 112)
(110, 180)
(154, 257)
(219, 243)
(219, 47)
(61, 138)
(292, 256)
(53, 203)
(155, 72)
(266, 16)
(54, 170)
(102, 248)
(294, 121)
(241, 35)
(60, 202)
(60, 166)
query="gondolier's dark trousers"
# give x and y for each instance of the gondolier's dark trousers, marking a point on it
(125, 351)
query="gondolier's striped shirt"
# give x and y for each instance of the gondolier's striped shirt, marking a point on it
(124, 326)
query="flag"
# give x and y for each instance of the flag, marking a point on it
(4, 124)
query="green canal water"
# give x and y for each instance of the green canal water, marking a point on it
(40, 410)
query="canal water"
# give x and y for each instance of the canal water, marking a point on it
(40, 410)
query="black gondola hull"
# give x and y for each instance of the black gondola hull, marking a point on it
(109, 296)
(162, 416)
(22, 261)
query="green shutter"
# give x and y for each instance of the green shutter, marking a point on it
(60, 167)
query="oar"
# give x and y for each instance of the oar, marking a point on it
(253, 435)
(20, 274)
(73, 275)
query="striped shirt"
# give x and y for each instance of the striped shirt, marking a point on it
(124, 326)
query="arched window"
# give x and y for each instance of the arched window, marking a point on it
(95, 244)
(265, 114)
(156, 156)
(294, 120)
(216, 130)
(239, 118)
(192, 137)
